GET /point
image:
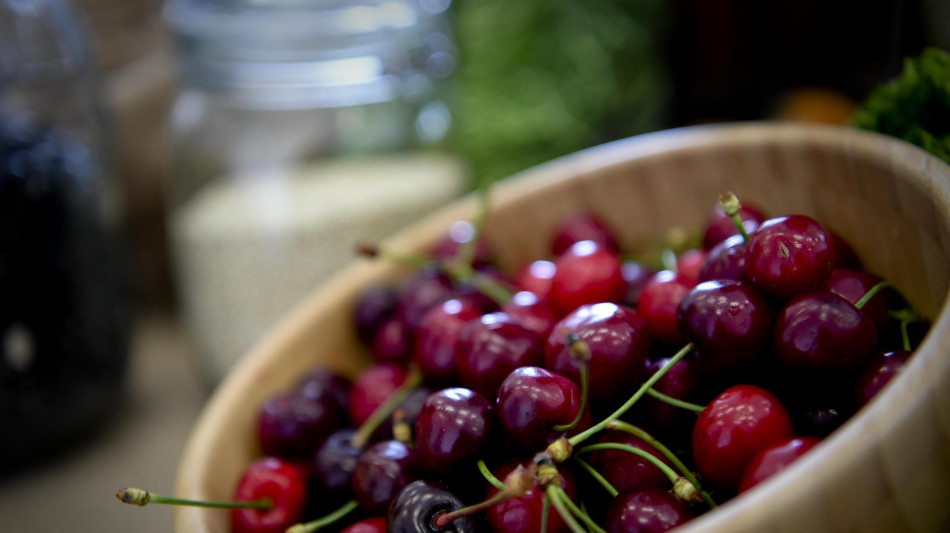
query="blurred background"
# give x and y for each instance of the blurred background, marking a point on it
(234, 152)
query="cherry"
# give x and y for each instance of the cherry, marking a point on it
(281, 482)
(381, 472)
(454, 426)
(333, 464)
(739, 423)
(820, 330)
(845, 256)
(374, 305)
(427, 287)
(649, 510)
(586, 273)
(636, 274)
(680, 382)
(523, 514)
(532, 400)
(726, 260)
(688, 265)
(878, 372)
(625, 470)
(416, 507)
(658, 304)
(532, 312)
(730, 323)
(376, 524)
(371, 388)
(618, 342)
(583, 227)
(789, 255)
(852, 285)
(536, 277)
(719, 226)
(294, 425)
(392, 343)
(436, 339)
(774, 459)
(491, 347)
(327, 384)
(460, 234)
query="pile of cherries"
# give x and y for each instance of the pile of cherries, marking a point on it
(591, 391)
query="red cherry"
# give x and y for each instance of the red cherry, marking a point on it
(789, 255)
(852, 285)
(726, 260)
(371, 388)
(774, 459)
(720, 226)
(649, 510)
(283, 483)
(688, 265)
(738, 424)
(878, 372)
(586, 273)
(536, 277)
(532, 312)
(381, 472)
(437, 337)
(583, 227)
(454, 426)
(636, 274)
(658, 304)
(532, 400)
(376, 524)
(523, 514)
(491, 347)
(625, 470)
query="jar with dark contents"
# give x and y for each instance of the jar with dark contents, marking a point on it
(64, 307)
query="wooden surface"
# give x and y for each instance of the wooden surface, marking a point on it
(888, 469)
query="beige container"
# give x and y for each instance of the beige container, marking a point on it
(887, 469)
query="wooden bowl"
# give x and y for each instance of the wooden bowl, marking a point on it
(887, 469)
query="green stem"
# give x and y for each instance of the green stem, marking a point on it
(497, 483)
(577, 511)
(315, 525)
(142, 497)
(545, 512)
(443, 520)
(667, 453)
(585, 387)
(652, 459)
(731, 206)
(581, 437)
(872, 292)
(675, 402)
(905, 317)
(398, 257)
(552, 493)
(596, 475)
(385, 409)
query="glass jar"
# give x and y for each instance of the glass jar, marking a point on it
(64, 307)
(302, 128)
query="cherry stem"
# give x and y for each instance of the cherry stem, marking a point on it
(585, 386)
(483, 468)
(444, 519)
(598, 477)
(665, 452)
(545, 512)
(577, 511)
(466, 252)
(315, 525)
(554, 496)
(731, 205)
(675, 402)
(649, 457)
(589, 432)
(905, 316)
(143, 497)
(399, 257)
(366, 429)
(872, 292)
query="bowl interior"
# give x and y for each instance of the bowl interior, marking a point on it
(890, 200)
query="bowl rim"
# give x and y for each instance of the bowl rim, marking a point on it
(853, 440)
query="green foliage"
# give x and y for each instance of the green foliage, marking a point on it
(915, 106)
(540, 79)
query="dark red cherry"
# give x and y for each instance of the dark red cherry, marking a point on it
(658, 304)
(381, 472)
(437, 337)
(739, 423)
(729, 322)
(523, 514)
(636, 274)
(536, 277)
(625, 470)
(774, 459)
(371, 389)
(374, 305)
(852, 285)
(618, 342)
(720, 226)
(461, 233)
(392, 343)
(323, 383)
(333, 464)
(416, 507)
(455, 426)
(688, 265)
(532, 400)
(680, 382)
(292, 425)
(532, 312)
(820, 330)
(877, 372)
(376, 524)
(283, 483)
(491, 347)
(586, 273)
(726, 260)
(426, 288)
(845, 256)
(789, 255)
(583, 227)
(648, 510)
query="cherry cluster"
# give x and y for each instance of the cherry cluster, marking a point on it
(591, 391)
